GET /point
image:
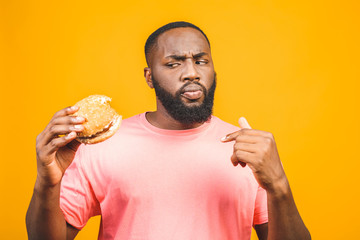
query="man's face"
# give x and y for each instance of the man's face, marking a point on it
(183, 75)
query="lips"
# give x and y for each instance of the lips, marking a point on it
(192, 92)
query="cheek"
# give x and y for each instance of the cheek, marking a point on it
(208, 79)
(167, 82)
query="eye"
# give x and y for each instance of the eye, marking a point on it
(201, 62)
(172, 65)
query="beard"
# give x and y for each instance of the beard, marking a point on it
(182, 113)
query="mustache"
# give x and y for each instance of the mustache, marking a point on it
(189, 83)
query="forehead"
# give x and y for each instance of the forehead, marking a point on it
(181, 41)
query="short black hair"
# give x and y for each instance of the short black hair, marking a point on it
(152, 39)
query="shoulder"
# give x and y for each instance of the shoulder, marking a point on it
(221, 125)
(133, 119)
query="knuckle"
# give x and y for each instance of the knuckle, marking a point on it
(52, 130)
(259, 162)
(57, 114)
(62, 112)
(65, 120)
(269, 135)
(240, 146)
(246, 130)
(40, 154)
(238, 138)
(260, 151)
(236, 146)
(53, 143)
(37, 142)
(268, 140)
(38, 149)
(56, 120)
(52, 122)
(239, 154)
(38, 138)
(265, 149)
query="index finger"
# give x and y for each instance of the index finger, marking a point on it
(66, 111)
(245, 131)
(232, 136)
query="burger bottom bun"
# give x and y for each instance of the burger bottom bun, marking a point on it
(102, 136)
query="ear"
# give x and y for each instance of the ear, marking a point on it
(147, 75)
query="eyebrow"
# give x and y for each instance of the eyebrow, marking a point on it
(183, 57)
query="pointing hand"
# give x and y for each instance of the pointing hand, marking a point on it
(258, 150)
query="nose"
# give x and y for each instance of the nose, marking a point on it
(190, 72)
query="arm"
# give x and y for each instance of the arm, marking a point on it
(284, 218)
(262, 231)
(258, 150)
(44, 218)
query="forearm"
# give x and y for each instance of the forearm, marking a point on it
(44, 218)
(284, 219)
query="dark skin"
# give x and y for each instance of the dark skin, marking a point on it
(178, 58)
(181, 55)
(44, 219)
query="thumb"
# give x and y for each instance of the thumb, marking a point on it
(244, 123)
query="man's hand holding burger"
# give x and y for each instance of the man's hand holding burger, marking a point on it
(55, 150)
(258, 150)
(90, 121)
(56, 146)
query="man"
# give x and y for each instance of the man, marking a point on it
(165, 174)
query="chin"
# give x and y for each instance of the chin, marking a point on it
(193, 103)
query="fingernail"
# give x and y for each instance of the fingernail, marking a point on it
(243, 121)
(71, 135)
(77, 127)
(224, 138)
(80, 119)
(73, 108)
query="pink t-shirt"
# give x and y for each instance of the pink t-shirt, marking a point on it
(150, 183)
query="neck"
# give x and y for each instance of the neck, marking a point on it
(161, 119)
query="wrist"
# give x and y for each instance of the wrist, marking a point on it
(43, 188)
(279, 189)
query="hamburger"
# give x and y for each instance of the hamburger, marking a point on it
(102, 121)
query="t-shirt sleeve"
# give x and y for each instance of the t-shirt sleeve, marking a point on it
(261, 212)
(77, 198)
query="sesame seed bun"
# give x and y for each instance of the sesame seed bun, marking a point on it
(102, 121)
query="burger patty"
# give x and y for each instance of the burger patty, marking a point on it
(98, 133)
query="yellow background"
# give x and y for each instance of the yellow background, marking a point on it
(290, 67)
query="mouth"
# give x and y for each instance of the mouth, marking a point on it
(192, 95)
(192, 92)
